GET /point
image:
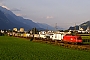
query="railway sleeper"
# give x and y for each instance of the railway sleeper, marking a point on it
(62, 44)
(81, 47)
(66, 45)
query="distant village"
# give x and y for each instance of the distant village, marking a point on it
(54, 35)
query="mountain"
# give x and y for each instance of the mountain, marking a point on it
(48, 27)
(17, 20)
(8, 20)
(45, 26)
(83, 25)
(74, 28)
(4, 21)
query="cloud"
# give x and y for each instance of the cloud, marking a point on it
(2, 5)
(1, 0)
(23, 15)
(49, 17)
(6, 7)
(15, 9)
(19, 14)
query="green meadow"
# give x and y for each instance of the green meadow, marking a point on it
(13, 48)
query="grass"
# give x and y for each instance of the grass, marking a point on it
(12, 48)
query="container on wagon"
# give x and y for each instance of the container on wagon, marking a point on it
(57, 36)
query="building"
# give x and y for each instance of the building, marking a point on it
(15, 29)
(21, 29)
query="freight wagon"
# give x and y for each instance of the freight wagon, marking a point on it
(57, 36)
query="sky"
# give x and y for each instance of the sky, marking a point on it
(65, 13)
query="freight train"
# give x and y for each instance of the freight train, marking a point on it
(63, 38)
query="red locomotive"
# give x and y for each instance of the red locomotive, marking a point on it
(72, 39)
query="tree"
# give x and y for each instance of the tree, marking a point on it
(35, 31)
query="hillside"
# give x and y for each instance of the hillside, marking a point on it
(8, 20)
(17, 21)
(83, 25)
(5, 22)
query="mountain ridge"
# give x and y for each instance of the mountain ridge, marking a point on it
(18, 21)
(83, 25)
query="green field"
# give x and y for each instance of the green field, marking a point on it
(12, 48)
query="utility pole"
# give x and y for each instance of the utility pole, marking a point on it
(75, 26)
(56, 27)
(47, 29)
(34, 33)
(75, 29)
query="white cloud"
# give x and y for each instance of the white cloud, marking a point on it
(5, 7)
(1, 4)
(22, 15)
(19, 14)
(49, 17)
